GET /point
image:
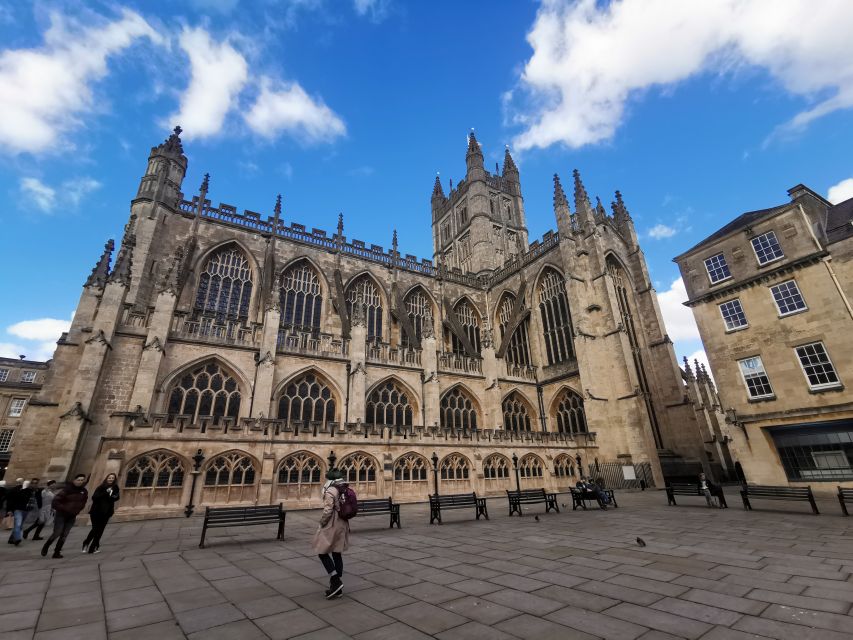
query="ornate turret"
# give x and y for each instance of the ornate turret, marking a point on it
(583, 209)
(167, 166)
(437, 189)
(474, 156)
(99, 275)
(172, 146)
(620, 211)
(510, 171)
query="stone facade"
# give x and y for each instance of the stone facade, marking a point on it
(261, 347)
(771, 294)
(19, 380)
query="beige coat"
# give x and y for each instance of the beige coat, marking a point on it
(333, 533)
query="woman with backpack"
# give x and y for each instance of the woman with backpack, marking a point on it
(332, 537)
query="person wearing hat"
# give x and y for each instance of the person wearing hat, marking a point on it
(332, 536)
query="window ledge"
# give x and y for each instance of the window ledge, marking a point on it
(715, 283)
(769, 262)
(736, 329)
(762, 399)
(792, 313)
(834, 388)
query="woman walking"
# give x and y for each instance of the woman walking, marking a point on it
(332, 537)
(45, 514)
(103, 506)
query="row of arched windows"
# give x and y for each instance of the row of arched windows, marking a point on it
(225, 289)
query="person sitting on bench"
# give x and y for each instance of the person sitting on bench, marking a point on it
(710, 490)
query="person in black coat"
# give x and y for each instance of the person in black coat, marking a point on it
(104, 499)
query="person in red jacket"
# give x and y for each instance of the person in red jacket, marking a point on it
(67, 503)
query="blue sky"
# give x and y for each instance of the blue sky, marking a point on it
(695, 111)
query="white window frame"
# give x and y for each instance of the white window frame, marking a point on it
(725, 322)
(772, 393)
(776, 302)
(13, 405)
(4, 375)
(28, 372)
(708, 270)
(5, 446)
(778, 244)
(817, 387)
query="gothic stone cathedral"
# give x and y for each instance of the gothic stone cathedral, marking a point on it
(247, 350)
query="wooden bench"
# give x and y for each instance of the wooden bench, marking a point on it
(802, 494)
(692, 489)
(378, 507)
(456, 501)
(580, 498)
(215, 517)
(531, 496)
(843, 496)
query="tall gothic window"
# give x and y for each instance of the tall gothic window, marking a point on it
(458, 410)
(154, 479)
(301, 298)
(365, 288)
(207, 391)
(389, 404)
(530, 466)
(556, 319)
(225, 286)
(496, 467)
(469, 319)
(307, 399)
(518, 352)
(564, 466)
(419, 310)
(230, 469)
(358, 467)
(300, 469)
(411, 468)
(516, 413)
(570, 414)
(455, 467)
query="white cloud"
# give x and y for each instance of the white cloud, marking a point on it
(660, 231)
(376, 9)
(286, 108)
(78, 188)
(45, 91)
(589, 58)
(218, 73)
(12, 350)
(41, 195)
(41, 329)
(841, 191)
(678, 319)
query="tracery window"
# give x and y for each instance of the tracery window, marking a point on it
(556, 318)
(155, 470)
(518, 351)
(230, 469)
(564, 466)
(571, 417)
(225, 286)
(207, 391)
(365, 288)
(301, 298)
(454, 467)
(358, 467)
(419, 310)
(516, 413)
(458, 410)
(496, 467)
(307, 398)
(389, 404)
(530, 466)
(410, 468)
(300, 469)
(469, 319)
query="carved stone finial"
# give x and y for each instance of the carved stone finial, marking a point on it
(560, 199)
(124, 262)
(205, 183)
(173, 145)
(394, 242)
(509, 165)
(101, 272)
(277, 208)
(437, 190)
(687, 369)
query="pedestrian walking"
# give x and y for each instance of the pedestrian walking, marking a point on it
(45, 514)
(332, 536)
(34, 505)
(18, 504)
(104, 499)
(67, 503)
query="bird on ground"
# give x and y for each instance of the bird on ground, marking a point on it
(641, 542)
(564, 505)
(536, 518)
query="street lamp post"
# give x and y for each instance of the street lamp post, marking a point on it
(580, 466)
(435, 472)
(515, 466)
(198, 458)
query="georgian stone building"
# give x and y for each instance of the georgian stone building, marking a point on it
(261, 347)
(19, 380)
(771, 292)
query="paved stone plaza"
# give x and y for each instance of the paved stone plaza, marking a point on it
(709, 574)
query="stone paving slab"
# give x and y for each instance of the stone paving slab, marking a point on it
(704, 574)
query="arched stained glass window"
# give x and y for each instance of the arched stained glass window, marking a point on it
(564, 466)
(469, 320)
(556, 319)
(358, 467)
(207, 391)
(518, 351)
(530, 466)
(228, 469)
(571, 417)
(155, 470)
(389, 404)
(307, 398)
(411, 468)
(458, 410)
(301, 298)
(301, 469)
(419, 310)
(496, 467)
(225, 286)
(516, 413)
(454, 467)
(365, 288)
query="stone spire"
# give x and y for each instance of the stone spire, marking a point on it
(583, 209)
(101, 272)
(687, 370)
(560, 200)
(172, 146)
(394, 242)
(437, 190)
(510, 171)
(600, 213)
(474, 156)
(620, 211)
(124, 261)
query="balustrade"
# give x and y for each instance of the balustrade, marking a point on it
(135, 319)
(384, 353)
(209, 330)
(310, 343)
(448, 361)
(524, 372)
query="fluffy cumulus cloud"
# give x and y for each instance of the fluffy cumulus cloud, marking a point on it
(677, 318)
(589, 58)
(218, 73)
(46, 91)
(660, 231)
(287, 108)
(36, 193)
(35, 339)
(841, 191)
